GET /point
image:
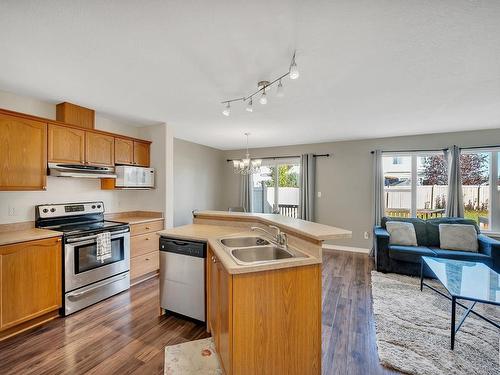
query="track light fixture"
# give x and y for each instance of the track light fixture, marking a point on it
(293, 72)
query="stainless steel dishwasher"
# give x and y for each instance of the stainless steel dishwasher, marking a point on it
(182, 277)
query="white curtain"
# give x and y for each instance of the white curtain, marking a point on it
(246, 192)
(378, 207)
(455, 205)
(307, 186)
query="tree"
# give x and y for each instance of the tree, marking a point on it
(435, 170)
(473, 167)
(286, 177)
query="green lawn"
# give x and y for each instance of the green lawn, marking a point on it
(474, 215)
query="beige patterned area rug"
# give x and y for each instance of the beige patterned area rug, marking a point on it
(413, 330)
(193, 357)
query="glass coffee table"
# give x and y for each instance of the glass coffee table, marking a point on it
(466, 281)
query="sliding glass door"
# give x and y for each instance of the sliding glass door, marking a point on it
(276, 187)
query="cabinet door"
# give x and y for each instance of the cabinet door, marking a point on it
(225, 313)
(213, 291)
(23, 154)
(124, 151)
(66, 145)
(99, 149)
(141, 154)
(30, 281)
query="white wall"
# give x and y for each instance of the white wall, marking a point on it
(198, 179)
(62, 190)
(345, 179)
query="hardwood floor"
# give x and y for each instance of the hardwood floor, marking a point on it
(124, 335)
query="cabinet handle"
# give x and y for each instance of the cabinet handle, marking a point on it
(147, 228)
(147, 238)
(214, 259)
(147, 258)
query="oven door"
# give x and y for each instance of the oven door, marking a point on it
(80, 260)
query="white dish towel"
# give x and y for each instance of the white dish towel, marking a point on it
(103, 246)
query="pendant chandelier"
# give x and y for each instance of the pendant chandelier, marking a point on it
(247, 166)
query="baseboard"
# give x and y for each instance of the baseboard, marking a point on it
(328, 247)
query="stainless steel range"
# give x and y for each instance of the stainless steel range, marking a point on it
(87, 279)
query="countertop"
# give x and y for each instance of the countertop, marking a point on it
(318, 232)
(135, 217)
(23, 235)
(212, 233)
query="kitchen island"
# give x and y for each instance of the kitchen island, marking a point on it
(265, 317)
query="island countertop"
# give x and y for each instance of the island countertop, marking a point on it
(316, 231)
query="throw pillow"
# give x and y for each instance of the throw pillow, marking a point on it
(461, 237)
(401, 233)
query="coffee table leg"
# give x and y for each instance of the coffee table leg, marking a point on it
(453, 310)
(422, 275)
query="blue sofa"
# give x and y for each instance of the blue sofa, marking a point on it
(407, 259)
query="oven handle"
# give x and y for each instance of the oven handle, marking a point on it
(78, 294)
(80, 239)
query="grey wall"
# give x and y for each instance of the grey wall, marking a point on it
(345, 179)
(198, 178)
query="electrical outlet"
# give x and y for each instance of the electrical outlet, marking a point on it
(367, 235)
(12, 211)
(319, 194)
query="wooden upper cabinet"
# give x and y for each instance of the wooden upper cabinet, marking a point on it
(75, 115)
(99, 149)
(23, 153)
(141, 154)
(30, 286)
(124, 151)
(66, 145)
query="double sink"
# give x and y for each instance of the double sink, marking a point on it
(253, 250)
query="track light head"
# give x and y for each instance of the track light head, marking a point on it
(263, 98)
(250, 105)
(279, 91)
(227, 110)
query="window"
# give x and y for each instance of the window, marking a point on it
(415, 186)
(397, 160)
(276, 187)
(479, 173)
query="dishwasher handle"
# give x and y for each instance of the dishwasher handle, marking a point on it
(189, 248)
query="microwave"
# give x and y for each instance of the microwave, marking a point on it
(134, 177)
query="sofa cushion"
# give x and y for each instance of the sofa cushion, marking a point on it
(461, 237)
(462, 255)
(401, 233)
(432, 228)
(410, 254)
(419, 224)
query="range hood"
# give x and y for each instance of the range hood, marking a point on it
(80, 171)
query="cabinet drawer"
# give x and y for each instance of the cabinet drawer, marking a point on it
(143, 244)
(149, 227)
(144, 264)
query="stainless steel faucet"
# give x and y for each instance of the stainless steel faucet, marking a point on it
(280, 237)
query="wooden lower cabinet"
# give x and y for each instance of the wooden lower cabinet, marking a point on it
(144, 250)
(30, 283)
(265, 322)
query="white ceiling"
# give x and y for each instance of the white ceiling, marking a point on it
(371, 68)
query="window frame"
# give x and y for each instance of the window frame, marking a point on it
(275, 163)
(494, 178)
(413, 173)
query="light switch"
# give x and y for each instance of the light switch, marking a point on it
(319, 194)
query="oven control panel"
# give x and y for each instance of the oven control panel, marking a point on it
(69, 209)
